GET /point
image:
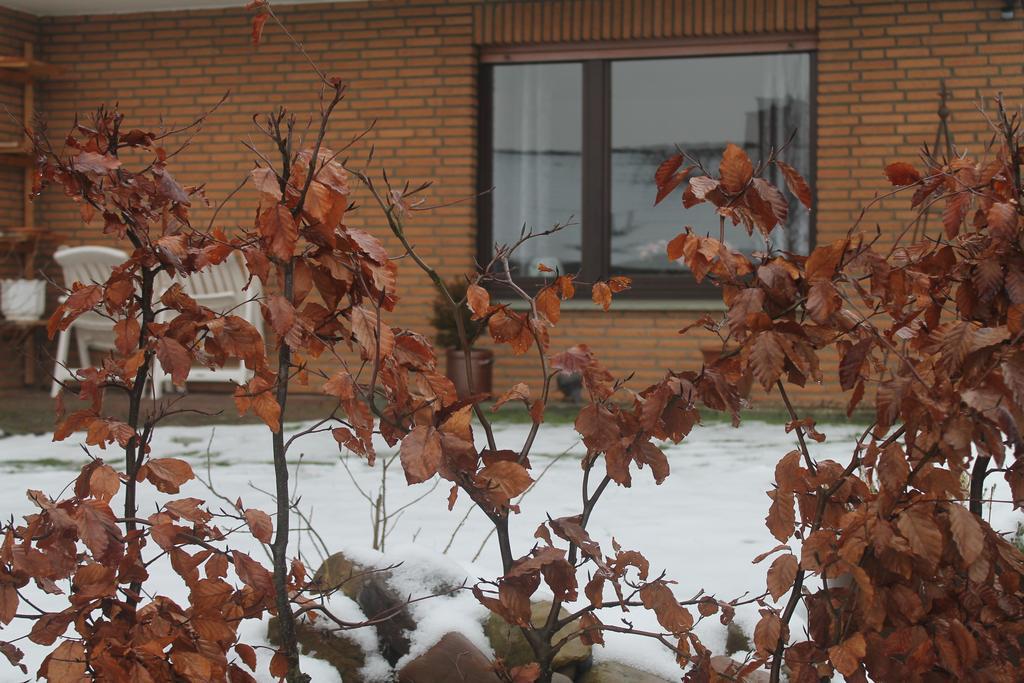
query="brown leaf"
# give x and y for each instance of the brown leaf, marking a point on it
(174, 359)
(504, 480)
(265, 181)
(847, 655)
(365, 327)
(781, 575)
(548, 304)
(767, 633)
(8, 603)
(260, 524)
(1002, 219)
(597, 426)
(126, 335)
(258, 396)
(736, 169)
(602, 295)
(479, 301)
(519, 392)
(954, 213)
(893, 469)
(918, 527)
(967, 533)
(167, 474)
(253, 574)
(66, 664)
(341, 385)
(279, 664)
(781, 519)
(672, 616)
(901, 173)
(676, 246)
(852, 362)
(97, 527)
(14, 655)
(280, 313)
(104, 482)
(767, 358)
(247, 654)
(51, 626)
(666, 177)
(277, 227)
(258, 22)
(512, 328)
(93, 162)
(823, 261)
(420, 453)
(796, 184)
(238, 338)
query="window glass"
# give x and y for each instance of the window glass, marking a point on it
(536, 172)
(701, 104)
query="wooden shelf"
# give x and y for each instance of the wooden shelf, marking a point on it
(23, 69)
(18, 235)
(15, 154)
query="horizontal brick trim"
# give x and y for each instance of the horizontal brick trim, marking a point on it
(641, 49)
(545, 21)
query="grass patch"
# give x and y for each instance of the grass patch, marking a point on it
(565, 413)
(39, 463)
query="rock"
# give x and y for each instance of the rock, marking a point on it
(616, 672)
(452, 660)
(560, 678)
(729, 668)
(736, 639)
(375, 597)
(337, 650)
(340, 573)
(510, 645)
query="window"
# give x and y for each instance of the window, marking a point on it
(579, 141)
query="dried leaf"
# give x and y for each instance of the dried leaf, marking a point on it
(260, 524)
(421, 454)
(901, 173)
(781, 575)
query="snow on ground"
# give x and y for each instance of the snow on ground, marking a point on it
(703, 525)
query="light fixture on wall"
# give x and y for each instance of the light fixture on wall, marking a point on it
(1008, 9)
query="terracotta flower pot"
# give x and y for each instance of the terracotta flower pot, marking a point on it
(481, 361)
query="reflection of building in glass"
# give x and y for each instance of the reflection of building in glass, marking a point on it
(538, 189)
(641, 232)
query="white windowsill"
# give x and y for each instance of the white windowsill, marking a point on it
(583, 304)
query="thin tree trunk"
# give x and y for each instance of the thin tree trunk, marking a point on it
(279, 548)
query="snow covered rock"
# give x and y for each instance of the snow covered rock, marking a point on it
(510, 644)
(370, 589)
(452, 660)
(338, 572)
(376, 599)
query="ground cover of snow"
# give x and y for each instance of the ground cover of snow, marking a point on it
(703, 525)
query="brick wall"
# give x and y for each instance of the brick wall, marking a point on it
(413, 66)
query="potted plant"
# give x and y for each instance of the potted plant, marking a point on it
(23, 299)
(481, 361)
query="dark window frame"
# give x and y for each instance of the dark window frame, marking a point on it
(596, 61)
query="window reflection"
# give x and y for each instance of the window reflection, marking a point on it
(537, 141)
(702, 104)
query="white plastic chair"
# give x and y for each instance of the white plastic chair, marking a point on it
(220, 288)
(88, 265)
